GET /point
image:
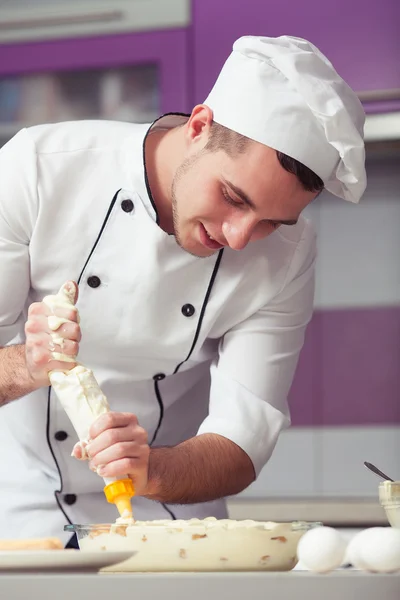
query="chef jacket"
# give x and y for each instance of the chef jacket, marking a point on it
(190, 345)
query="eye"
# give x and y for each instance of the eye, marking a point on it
(270, 224)
(230, 200)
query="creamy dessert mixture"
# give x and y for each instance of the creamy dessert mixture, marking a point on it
(77, 389)
(207, 544)
(389, 496)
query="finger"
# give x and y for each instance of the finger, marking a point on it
(40, 359)
(67, 331)
(79, 451)
(38, 344)
(117, 435)
(36, 324)
(69, 313)
(110, 420)
(39, 309)
(67, 347)
(39, 356)
(48, 349)
(62, 350)
(70, 331)
(135, 467)
(131, 450)
(44, 324)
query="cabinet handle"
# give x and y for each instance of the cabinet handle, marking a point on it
(59, 21)
(379, 95)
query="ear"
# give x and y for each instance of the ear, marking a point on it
(197, 128)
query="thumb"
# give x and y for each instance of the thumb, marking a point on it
(70, 292)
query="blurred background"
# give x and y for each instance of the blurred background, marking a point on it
(132, 60)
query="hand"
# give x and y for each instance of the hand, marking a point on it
(119, 446)
(39, 344)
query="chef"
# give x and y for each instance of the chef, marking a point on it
(195, 276)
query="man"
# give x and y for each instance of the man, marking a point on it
(195, 271)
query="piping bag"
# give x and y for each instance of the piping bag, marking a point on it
(83, 400)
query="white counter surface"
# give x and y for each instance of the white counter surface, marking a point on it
(343, 584)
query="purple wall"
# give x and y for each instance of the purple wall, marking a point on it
(349, 370)
(361, 38)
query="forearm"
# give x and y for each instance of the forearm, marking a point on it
(15, 380)
(201, 469)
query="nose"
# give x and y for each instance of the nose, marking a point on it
(239, 234)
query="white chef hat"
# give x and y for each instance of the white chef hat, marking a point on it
(284, 93)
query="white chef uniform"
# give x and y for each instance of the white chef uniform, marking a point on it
(189, 345)
(75, 205)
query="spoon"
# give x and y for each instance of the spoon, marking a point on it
(375, 470)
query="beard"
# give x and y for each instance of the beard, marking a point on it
(181, 171)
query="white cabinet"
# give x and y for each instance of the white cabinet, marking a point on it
(342, 452)
(292, 471)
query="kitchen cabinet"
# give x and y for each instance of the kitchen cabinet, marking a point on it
(123, 76)
(360, 38)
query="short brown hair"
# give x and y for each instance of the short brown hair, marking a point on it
(222, 138)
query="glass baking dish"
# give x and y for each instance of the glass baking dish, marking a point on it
(197, 545)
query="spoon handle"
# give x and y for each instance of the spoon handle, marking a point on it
(375, 470)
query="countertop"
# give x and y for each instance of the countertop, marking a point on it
(336, 512)
(342, 584)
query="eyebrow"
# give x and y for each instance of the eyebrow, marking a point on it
(244, 197)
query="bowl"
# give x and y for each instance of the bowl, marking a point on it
(197, 545)
(389, 496)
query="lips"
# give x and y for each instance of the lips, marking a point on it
(207, 241)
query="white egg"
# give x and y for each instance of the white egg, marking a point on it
(353, 553)
(321, 549)
(376, 549)
(356, 545)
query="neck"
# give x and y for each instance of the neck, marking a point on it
(160, 161)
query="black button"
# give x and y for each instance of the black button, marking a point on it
(159, 376)
(127, 205)
(188, 310)
(61, 436)
(94, 281)
(69, 499)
